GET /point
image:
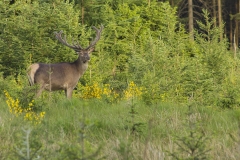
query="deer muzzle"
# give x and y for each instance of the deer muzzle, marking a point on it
(86, 58)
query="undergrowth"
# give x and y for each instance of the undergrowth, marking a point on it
(93, 129)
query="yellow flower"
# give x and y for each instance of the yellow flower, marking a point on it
(92, 91)
(28, 116)
(16, 109)
(132, 91)
(42, 114)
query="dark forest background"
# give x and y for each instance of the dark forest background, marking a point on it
(178, 48)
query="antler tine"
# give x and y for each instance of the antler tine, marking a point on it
(98, 34)
(76, 44)
(64, 41)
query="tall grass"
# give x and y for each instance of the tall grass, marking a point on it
(107, 129)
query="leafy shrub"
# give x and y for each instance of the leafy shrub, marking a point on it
(95, 90)
(29, 111)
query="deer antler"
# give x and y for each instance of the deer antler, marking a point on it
(76, 46)
(98, 34)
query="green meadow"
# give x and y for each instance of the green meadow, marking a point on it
(129, 129)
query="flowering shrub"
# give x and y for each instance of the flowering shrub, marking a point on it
(133, 91)
(28, 113)
(96, 91)
(164, 97)
(107, 93)
(91, 91)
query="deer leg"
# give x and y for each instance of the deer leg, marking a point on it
(68, 93)
(65, 92)
(39, 92)
(30, 80)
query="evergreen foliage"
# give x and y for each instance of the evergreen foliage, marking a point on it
(194, 145)
(27, 33)
(141, 42)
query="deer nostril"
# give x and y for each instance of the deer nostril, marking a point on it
(87, 58)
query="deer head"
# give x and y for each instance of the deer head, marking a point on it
(64, 75)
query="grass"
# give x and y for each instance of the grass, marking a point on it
(108, 127)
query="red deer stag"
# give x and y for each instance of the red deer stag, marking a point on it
(65, 75)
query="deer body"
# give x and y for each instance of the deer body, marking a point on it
(59, 76)
(62, 76)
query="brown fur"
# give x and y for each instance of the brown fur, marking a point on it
(62, 76)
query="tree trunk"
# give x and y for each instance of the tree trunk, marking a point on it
(171, 3)
(231, 32)
(220, 17)
(231, 27)
(190, 19)
(237, 23)
(214, 13)
(236, 26)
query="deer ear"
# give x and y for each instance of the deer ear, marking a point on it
(91, 49)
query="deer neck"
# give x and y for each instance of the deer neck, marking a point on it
(81, 67)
